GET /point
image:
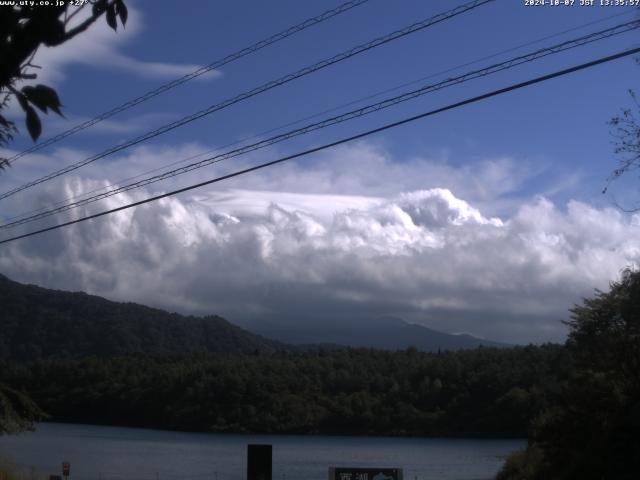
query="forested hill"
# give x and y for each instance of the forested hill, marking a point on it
(485, 392)
(37, 323)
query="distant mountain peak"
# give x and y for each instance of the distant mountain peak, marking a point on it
(383, 332)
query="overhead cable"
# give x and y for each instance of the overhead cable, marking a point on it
(452, 106)
(258, 90)
(309, 117)
(310, 22)
(375, 107)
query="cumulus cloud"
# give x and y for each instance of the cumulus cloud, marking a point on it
(494, 185)
(424, 255)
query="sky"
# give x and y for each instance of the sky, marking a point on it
(486, 219)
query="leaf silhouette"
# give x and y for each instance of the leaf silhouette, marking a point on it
(43, 97)
(33, 123)
(111, 17)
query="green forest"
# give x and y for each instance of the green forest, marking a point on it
(483, 392)
(578, 403)
(591, 430)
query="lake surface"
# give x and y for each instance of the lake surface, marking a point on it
(114, 453)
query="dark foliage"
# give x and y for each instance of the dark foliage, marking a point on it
(86, 359)
(592, 430)
(482, 392)
(17, 411)
(626, 135)
(23, 29)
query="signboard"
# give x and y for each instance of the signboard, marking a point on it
(364, 473)
(66, 468)
(259, 463)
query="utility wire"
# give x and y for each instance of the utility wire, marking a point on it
(389, 102)
(310, 22)
(258, 90)
(452, 106)
(310, 117)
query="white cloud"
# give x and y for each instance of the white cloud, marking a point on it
(100, 47)
(351, 232)
(494, 184)
(123, 127)
(362, 169)
(424, 255)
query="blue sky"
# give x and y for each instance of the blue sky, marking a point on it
(549, 121)
(533, 161)
(562, 122)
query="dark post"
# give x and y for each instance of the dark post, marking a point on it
(66, 470)
(259, 465)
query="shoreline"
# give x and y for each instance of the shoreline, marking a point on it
(282, 434)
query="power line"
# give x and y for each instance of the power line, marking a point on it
(263, 88)
(389, 102)
(32, 213)
(338, 142)
(310, 22)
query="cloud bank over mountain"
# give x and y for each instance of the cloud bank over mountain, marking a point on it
(424, 255)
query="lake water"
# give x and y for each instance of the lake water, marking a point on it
(114, 453)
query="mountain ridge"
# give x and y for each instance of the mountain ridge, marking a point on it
(37, 322)
(387, 333)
